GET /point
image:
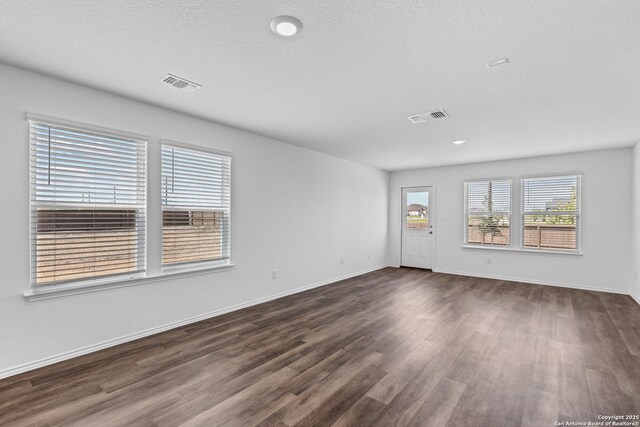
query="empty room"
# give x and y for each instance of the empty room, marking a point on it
(319, 212)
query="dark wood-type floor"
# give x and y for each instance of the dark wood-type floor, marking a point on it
(393, 347)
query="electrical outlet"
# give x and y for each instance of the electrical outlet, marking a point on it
(341, 261)
(274, 274)
(489, 261)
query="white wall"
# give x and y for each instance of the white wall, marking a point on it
(293, 210)
(606, 221)
(635, 286)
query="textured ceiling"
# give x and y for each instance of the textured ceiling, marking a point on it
(347, 82)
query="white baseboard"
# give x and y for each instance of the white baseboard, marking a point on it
(533, 282)
(113, 342)
(635, 297)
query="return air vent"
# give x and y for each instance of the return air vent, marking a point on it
(180, 83)
(433, 115)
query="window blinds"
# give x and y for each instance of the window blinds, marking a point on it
(88, 203)
(196, 206)
(551, 212)
(488, 212)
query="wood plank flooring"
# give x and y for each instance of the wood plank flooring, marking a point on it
(392, 347)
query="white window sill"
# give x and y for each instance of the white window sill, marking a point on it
(521, 250)
(58, 291)
(194, 267)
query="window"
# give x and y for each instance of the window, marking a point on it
(551, 212)
(88, 203)
(488, 212)
(196, 202)
(417, 210)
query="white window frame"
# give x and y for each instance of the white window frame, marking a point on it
(466, 214)
(578, 213)
(195, 266)
(33, 204)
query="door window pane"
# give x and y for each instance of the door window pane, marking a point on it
(417, 210)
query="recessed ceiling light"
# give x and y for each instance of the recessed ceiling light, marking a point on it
(286, 26)
(497, 62)
(459, 141)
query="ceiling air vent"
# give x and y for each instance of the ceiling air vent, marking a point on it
(433, 115)
(180, 83)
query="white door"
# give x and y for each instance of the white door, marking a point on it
(417, 227)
